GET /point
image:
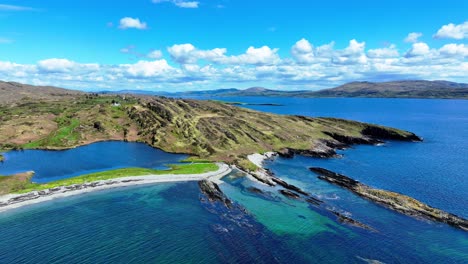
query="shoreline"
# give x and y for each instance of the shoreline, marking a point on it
(13, 201)
(258, 158)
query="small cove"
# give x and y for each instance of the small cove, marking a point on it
(50, 165)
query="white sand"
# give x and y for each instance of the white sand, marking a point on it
(47, 195)
(258, 158)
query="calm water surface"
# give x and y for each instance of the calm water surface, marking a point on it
(101, 156)
(168, 223)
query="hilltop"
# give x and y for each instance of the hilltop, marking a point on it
(13, 92)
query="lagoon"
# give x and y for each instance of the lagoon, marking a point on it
(50, 165)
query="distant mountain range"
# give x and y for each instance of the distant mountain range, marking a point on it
(12, 91)
(394, 89)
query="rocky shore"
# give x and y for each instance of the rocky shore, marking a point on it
(291, 191)
(395, 201)
(11, 201)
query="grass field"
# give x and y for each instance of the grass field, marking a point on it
(23, 185)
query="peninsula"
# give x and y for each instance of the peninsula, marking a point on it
(209, 131)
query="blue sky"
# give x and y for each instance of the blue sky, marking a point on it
(208, 44)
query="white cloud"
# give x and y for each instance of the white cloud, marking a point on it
(413, 37)
(454, 50)
(155, 54)
(129, 22)
(389, 52)
(257, 56)
(418, 49)
(189, 54)
(55, 65)
(303, 51)
(452, 31)
(180, 3)
(308, 66)
(147, 68)
(353, 54)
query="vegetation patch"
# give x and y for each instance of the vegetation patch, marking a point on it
(24, 185)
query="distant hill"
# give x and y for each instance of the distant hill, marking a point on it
(11, 92)
(394, 89)
(397, 89)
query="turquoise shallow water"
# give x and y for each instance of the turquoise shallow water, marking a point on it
(168, 223)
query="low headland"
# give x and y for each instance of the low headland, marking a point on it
(395, 201)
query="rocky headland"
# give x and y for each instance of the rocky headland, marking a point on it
(395, 201)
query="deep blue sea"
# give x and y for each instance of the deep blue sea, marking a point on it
(168, 223)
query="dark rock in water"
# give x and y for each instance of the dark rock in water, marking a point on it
(289, 186)
(255, 190)
(349, 221)
(289, 194)
(314, 201)
(387, 134)
(334, 177)
(213, 192)
(395, 201)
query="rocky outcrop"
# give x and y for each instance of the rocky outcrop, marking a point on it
(289, 194)
(383, 133)
(395, 201)
(349, 140)
(289, 186)
(352, 222)
(214, 194)
(321, 149)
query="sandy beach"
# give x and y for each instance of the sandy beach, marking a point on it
(11, 201)
(258, 158)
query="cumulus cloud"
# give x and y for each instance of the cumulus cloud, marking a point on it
(413, 37)
(452, 31)
(303, 51)
(307, 66)
(353, 54)
(257, 56)
(180, 3)
(388, 52)
(147, 68)
(155, 54)
(55, 65)
(129, 22)
(189, 54)
(418, 50)
(454, 50)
